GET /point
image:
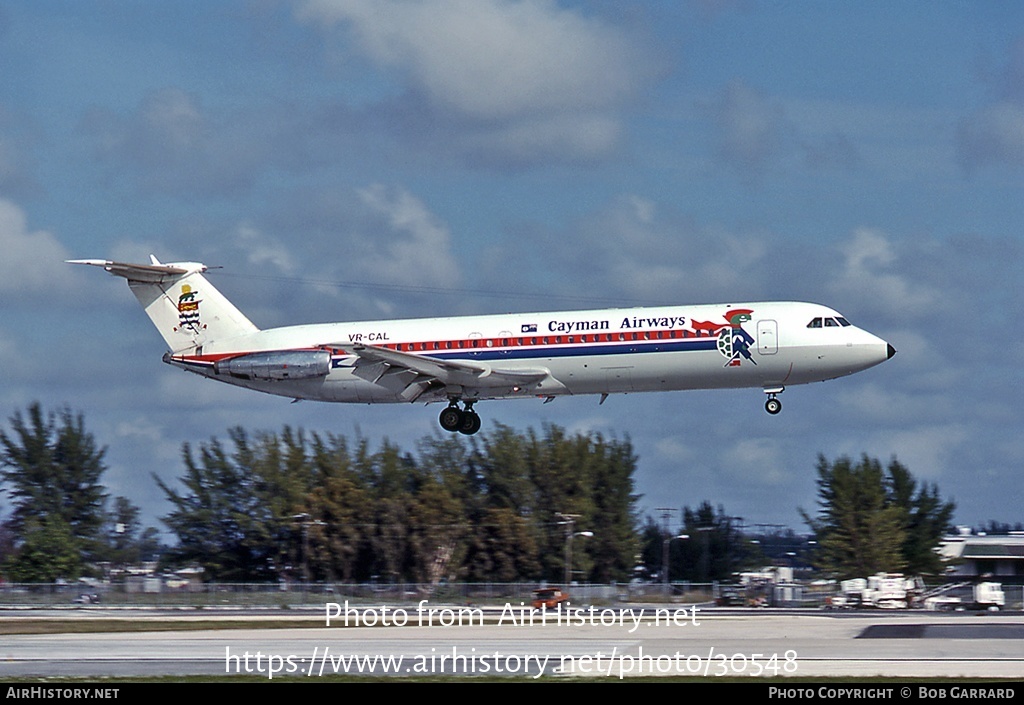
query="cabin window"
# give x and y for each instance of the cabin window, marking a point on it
(815, 323)
(842, 321)
(831, 323)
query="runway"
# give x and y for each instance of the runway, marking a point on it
(706, 643)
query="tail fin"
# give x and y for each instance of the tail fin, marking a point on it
(187, 310)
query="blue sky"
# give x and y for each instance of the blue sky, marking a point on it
(349, 160)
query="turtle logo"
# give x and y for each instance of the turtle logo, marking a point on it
(188, 310)
(734, 342)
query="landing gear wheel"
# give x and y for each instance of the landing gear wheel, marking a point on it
(773, 406)
(452, 419)
(470, 423)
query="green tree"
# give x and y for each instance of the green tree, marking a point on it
(47, 552)
(500, 502)
(715, 548)
(872, 520)
(558, 485)
(339, 512)
(613, 548)
(123, 533)
(52, 468)
(234, 517)
(926, 518)
(502, 548)
(483, 508)
(651, 550)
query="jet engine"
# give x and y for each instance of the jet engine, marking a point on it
(274, 366)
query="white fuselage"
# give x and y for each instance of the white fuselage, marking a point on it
(768, 345)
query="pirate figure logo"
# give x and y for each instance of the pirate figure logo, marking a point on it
(734, 342)
(188, 310)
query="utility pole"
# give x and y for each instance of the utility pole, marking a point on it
(666, 514)
(569, 522)
(305, 521)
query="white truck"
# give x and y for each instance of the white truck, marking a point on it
(984, 596)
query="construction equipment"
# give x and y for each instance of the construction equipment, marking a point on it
(880, 591)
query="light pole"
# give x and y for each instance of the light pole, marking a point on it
(706, 553)
(568, 553)
(569, 521)
(664, 559)
(306, 522)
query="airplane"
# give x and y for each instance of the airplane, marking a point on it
(467, 359)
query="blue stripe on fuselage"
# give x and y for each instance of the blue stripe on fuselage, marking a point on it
(532, 352)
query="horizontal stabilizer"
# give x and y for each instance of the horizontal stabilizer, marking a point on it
(150, 273)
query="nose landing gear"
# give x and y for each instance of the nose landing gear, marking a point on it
(454, 419)
(773, 405)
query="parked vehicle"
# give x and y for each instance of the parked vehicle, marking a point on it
(549, 597)
(984, 596)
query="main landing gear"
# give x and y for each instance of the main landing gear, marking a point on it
(455, 419)
(773, 405)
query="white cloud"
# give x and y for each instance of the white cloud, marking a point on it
(751, 127)
(413, 248)
(174, 116)
(756, 461)
(490, 59)
(518, 77)
(895, 406)
(585, 136)
(674, 450)
(12, 359)
(32, 262)
(656, 255)
(261, 249)
(927, 450)
(871, 276)
(170, 143)
(165, 130)
(993, 135)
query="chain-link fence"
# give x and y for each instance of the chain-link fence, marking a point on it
(179, 593)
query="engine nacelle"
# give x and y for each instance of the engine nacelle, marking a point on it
(275, 366)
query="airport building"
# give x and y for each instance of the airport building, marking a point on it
(970, 556)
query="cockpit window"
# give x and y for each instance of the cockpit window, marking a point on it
(822, 322)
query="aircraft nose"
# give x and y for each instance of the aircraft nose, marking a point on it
(892, 351)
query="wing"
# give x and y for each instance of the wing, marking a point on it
(413, 375)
